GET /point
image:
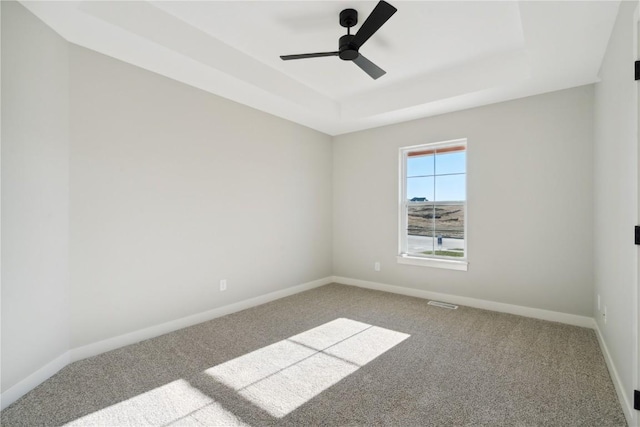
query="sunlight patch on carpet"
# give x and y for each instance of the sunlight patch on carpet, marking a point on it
(172, 402)
(283, 376)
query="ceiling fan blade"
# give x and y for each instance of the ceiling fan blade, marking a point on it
(380, 14)
(308, 55)
(369, 67)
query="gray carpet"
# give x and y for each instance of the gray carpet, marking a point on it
(339, 355)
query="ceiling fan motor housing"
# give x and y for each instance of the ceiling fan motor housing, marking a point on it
(347, 51)
(348, 18)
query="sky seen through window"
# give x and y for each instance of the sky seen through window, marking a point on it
(439, 177)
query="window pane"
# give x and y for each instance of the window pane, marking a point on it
(419, 166)
(420, 189)
(420, 229)
(449, 221)
(451, 162)
(420, 220)
(449, 234)
(450, 188)
(446, 240)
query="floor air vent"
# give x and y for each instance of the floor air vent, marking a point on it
(443, 305)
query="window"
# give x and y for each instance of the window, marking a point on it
(433, 205)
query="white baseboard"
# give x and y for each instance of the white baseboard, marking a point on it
(51, 368)
(625, 402)
(109, 344)
(34, 380)
(536, 313)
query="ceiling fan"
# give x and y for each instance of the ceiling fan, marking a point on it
(350, 44)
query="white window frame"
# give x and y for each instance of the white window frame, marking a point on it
(427, 260)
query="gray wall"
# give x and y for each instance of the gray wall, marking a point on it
(35, 194)
(529, 202)
(616, 197)
(173, 189)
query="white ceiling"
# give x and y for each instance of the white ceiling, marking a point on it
(440, 56)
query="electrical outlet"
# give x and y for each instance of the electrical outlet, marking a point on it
(376, 266)
(223, 285)
(598, 302)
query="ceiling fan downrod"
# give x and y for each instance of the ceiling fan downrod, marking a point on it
(347, 51)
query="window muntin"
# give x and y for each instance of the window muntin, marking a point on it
(433, 201)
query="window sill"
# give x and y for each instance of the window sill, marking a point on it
(433, 262)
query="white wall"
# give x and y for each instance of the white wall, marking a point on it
(35, 195)
(173, 189)
(529, 202)
(616, 200)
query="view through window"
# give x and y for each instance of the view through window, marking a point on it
(433, 207)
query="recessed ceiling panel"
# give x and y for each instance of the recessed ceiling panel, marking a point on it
(421, 37)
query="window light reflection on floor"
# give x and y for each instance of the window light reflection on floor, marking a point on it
(176, 401)
(283, 376)
(278, 378)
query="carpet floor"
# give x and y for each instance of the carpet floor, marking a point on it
(339, 355)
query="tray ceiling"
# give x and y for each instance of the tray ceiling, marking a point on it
(439, 56)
